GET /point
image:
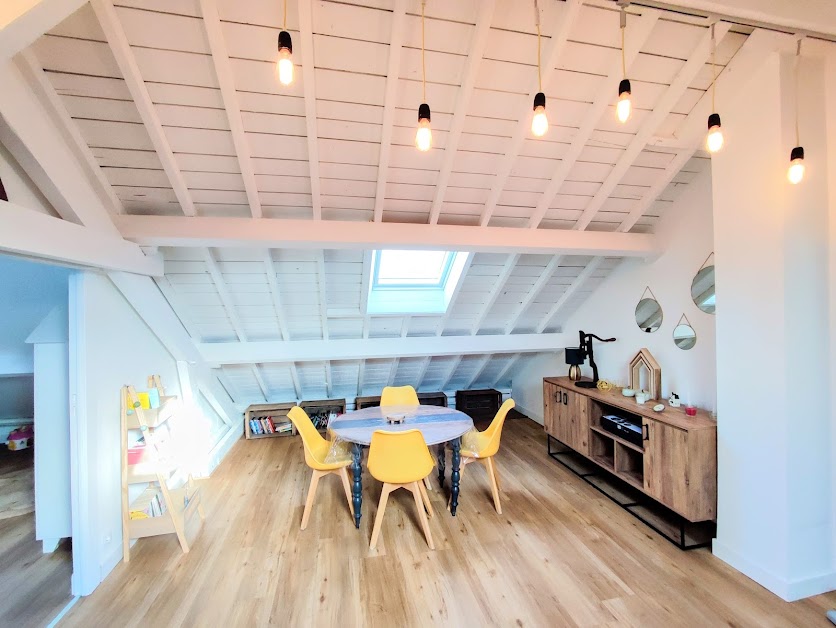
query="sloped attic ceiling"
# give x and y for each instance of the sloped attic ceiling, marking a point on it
(184, 118)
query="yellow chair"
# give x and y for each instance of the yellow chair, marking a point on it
(316, 457)
(482, 447)
(402, 396)
(399, 396)
(401, 460)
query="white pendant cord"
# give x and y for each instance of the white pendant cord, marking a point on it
(623, 54)
(284, 19)
(423, 66)
(713, 70)
(797, 64)
(537, 22)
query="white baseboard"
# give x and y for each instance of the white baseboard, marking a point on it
(788, 590)
(536, 417)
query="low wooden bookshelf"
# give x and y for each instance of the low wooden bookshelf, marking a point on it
(270, 416)
(319, 411)
(159, 508)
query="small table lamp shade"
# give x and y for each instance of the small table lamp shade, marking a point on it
(575, 356)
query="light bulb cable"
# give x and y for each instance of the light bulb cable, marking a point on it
(713, 70)
(284, 19)
(623, 18)
(797, 64)
(537, 22)
(423, 65)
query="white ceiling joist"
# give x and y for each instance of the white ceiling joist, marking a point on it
(496, 290)
(346, 235)
(35, 235)
(323, 299)
(639, 34)
(275, 295)
(309, 86)
(471, 71)
(477, 373)
(109, 21)
(223, 70)
(389, 100)
(541, 282)
(35, 139)
(507, 369)
(561, 29)
(696, 62)
(419, 381)
(454, 366)
(372, 348)
(23, 21)
(585, 274)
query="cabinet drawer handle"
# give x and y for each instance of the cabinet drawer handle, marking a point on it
(646, 431)
(565, 399)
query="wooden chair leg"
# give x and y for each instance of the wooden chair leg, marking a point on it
(496, 474)
(426, 500)
(381, 508)
(491, 467)
(422, 516)
(343, 473)
(311, 493)
(427, 483)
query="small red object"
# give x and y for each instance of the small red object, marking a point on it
(690, 411)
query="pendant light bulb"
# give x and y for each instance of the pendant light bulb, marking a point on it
(624, 108)
(795, 173)
(424, 135)
(284, 62)
(714, 139)
(539, 122)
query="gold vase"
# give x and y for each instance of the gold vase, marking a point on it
(574, 372)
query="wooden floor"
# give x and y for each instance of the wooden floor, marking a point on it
(17, 482)
(561, 555)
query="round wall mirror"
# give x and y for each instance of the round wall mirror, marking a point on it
(702, 289)
(684, 336)
(649, 315)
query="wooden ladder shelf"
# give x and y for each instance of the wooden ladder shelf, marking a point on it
(155, 470)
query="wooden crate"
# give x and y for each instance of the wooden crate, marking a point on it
(278, 414)
(319, 410)
(366, 402)
(480, 405)
(433, 399)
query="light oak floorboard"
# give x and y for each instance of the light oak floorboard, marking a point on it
(560, 555)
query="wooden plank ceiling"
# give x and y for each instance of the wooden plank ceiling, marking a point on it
(177, 112)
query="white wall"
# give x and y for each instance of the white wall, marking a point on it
(16, 397)
(110, 347)
(687, 230)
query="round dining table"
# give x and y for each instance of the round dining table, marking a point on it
(438, 425)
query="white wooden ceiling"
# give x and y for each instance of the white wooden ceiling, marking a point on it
(338, 145)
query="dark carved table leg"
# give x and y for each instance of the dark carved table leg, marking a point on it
(357, 489)
(455, 476)
(441, 458)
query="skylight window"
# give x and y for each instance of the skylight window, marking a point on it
(413, 282)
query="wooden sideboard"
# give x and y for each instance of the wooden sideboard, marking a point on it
(676, 463)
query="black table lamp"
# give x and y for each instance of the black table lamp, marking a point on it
(576, 356)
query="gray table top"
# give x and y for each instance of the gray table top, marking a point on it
(436, 423)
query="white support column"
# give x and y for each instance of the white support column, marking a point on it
(478, 44)
(639, 33)
(696, 62)
(585, 274)
(223, 70)
(496, 290)
(538, 286)
(561, 28)
(309, 86)
(112, 27)
(389, 100)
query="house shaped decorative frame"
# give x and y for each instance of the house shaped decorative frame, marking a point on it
(644, 359)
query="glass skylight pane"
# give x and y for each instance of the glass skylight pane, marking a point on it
(412, 268)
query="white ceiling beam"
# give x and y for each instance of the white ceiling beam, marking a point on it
(226, 299)
(115, 34)
(451, 373)
(585, 274)
(294, 376)
(33, 135)
(419, 381)
(323, 299)
(40, 84)
(542, 280)
(347, 235)
(223, 70)
(374, 348)
(176, 303)
(329, 381)
(639, 31)
(361, 372)
(478, 44)
(496, 290)
(24, 21)
(393, 371)
(275, 295)
(480, 368)
(31, 234)
(696, 62)
(561, 28)
(262, 385)
(506, 369)
(309, 87)
(389, 100)
(442, 323)
(230, 389)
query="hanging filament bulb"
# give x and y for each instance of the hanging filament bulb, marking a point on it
(624, 106)
(539, 122)
(424, 134)
(714, 139)
(795, 173)
(284, 62)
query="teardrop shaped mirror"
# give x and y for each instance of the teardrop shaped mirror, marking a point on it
(648, 315)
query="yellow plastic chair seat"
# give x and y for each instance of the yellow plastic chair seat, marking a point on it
(399, 396)
(399, 457)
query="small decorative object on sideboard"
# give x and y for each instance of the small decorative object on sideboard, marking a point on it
(642, 397)
(690, 410)
(673, 402)
(628, 392)
(659, 407)
(575, 357)
(644, 361)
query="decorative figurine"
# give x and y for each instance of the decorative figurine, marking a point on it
(673, 402)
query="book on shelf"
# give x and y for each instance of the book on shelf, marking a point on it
(147, 505)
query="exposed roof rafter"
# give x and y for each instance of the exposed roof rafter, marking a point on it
(585, 274)
(496, 290)
(309, 86)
